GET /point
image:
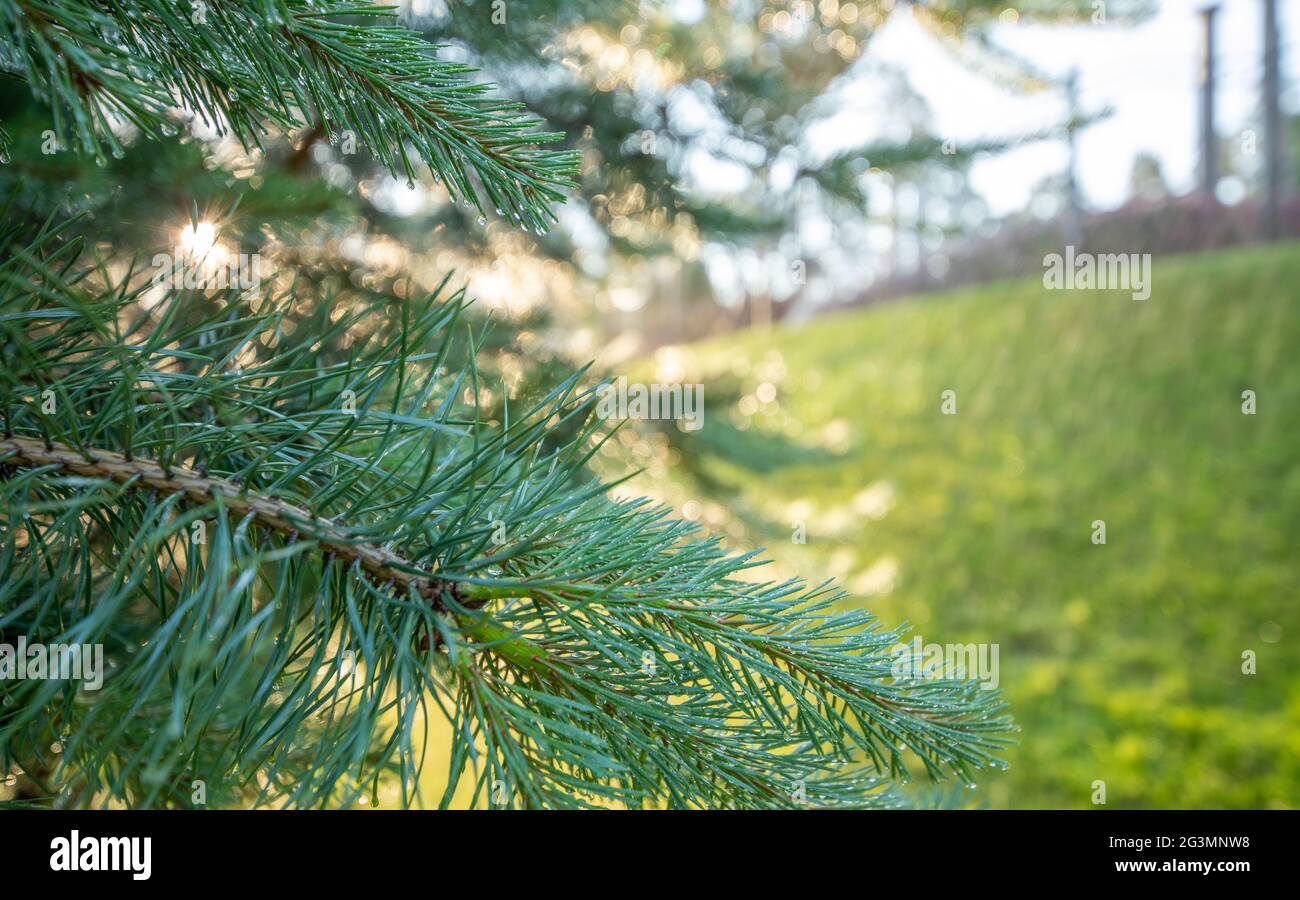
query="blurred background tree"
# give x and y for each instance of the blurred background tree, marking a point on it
(702, 202)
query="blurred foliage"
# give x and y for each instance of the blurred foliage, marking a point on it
(335, 249)
(1123, 661)
(646, 92)
(638, 90)
(643, 91)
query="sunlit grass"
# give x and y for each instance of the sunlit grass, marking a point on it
(1122, 662)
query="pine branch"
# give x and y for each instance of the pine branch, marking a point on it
(601, 653)
(241, 65)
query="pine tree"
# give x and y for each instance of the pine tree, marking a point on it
(297, 544)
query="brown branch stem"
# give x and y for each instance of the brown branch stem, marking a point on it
(383, 565)
(380, 563)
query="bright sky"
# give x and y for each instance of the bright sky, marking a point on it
(1148, 74)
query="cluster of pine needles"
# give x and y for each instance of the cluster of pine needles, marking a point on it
(296, 547)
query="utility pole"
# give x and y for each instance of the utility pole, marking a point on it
(1073, 212)
(1271, 225)
(1209, 145)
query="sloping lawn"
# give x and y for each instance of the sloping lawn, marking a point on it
(1122, 661)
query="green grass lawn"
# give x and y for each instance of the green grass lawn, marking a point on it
(1122, 662)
